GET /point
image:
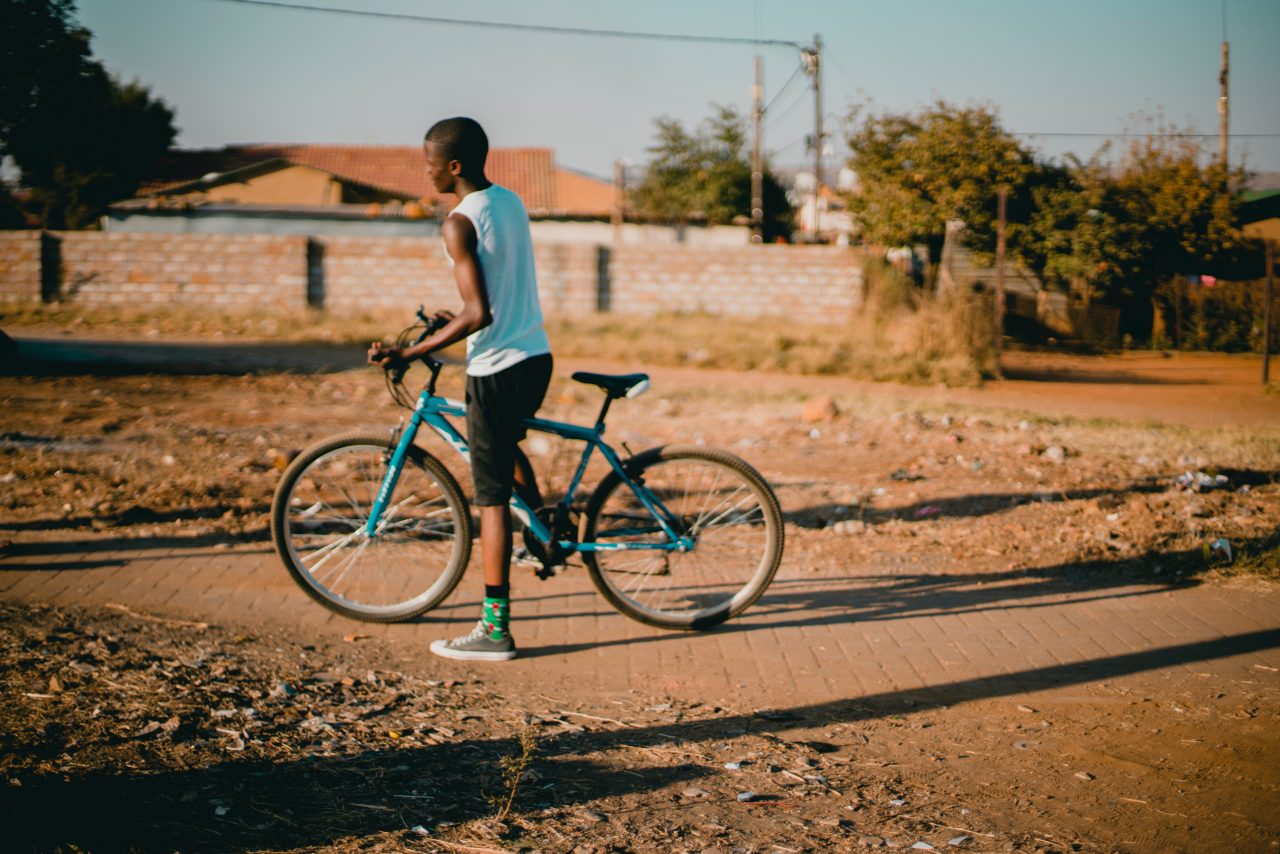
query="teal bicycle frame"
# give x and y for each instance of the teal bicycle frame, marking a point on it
(431, 410)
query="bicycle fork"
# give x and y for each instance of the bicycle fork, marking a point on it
(395, 465)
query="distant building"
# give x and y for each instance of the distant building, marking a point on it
(348, 189)
(1260, 214)
(821, 217)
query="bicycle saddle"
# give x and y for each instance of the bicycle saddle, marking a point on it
(615, 385)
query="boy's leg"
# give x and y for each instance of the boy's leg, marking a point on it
(495, 407)
(495, 545)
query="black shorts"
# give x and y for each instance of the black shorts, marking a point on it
(495, 406)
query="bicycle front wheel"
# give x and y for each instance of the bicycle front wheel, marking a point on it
(417, 553)
(720, 505)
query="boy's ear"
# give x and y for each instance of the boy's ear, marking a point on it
(455, 167)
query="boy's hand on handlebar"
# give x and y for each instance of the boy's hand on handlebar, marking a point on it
(386, 357)
(442, 317)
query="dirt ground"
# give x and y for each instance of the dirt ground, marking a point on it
(165, 735)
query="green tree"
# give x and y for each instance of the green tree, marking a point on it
(706, 176)
(918, 170)
(1077, 238)
(1183, 215)
(1185, 212)
(1128, 234)
(81, 138)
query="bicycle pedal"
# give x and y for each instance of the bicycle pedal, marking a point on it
(545, 572)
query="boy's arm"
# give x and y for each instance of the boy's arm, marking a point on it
(460, 239)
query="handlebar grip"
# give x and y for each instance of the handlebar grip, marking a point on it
(397, 369)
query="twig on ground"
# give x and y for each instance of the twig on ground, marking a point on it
(168, 621)
(959, 829)
(458, 846)
(596, 718)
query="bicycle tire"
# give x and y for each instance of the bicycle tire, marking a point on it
(417, 558)
(733, 514)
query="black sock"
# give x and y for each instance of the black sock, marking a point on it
(497, 591)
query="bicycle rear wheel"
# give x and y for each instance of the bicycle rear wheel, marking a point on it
(710, 496)
(413, 561)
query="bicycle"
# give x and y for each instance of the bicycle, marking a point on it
(378, 529)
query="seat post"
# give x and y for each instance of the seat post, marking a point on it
(608, 399)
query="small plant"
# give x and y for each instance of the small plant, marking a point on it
(514, 766)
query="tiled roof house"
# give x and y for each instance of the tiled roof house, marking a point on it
(372, 190)
(360, 175)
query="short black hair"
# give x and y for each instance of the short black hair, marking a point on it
(460, 139)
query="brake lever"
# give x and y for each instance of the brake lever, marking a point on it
(397, 371)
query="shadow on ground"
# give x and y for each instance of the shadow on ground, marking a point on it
(985, 504)
(316, 800)
(1083, 375)
(70, 357)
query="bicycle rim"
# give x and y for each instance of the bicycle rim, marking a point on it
(715, 499)
(417, 554)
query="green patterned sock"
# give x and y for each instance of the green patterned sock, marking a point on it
(497, 617)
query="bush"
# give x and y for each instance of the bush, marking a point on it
(1227, 317)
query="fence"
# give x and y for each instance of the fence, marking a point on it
(808, 283)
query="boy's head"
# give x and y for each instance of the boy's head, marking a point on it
(455, 148)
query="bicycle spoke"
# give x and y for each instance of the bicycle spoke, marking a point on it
(390, 512)
(700, 525)
(330, 549)
(341, 490)
(351, 560)
(638, 582)
(331, 520)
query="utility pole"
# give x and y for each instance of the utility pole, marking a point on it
(619, 199)
(1223, 107)
(1266, 313)
(757, 165)
(1002, 200)
(812, 58)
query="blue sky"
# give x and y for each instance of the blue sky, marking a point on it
(242, 74)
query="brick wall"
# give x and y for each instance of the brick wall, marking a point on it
(367, 273)
(344, 274)
(372, 273)
(814, 284)
(216, 270)
(568, 278)
(20, 266)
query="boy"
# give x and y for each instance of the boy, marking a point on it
(508, 355)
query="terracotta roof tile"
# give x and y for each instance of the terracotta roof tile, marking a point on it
(583, 195)
(529, 172)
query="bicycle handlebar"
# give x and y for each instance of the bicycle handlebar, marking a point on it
(430, 325)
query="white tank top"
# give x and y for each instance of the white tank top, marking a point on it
(505, 250)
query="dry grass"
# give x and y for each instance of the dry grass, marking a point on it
(1263, 561)
(902, 336)
(184, 321)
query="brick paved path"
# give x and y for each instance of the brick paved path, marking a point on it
(810, 640)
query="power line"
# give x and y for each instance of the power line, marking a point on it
(775, 98)
(836, 59)
(793, 144)
(539, 28)
(780, 116)
(1146, 135)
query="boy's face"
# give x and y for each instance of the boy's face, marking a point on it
(440, 172)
